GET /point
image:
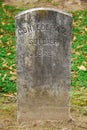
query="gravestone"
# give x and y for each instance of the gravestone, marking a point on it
(43, 37)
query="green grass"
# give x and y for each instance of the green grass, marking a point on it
(8, 52)
(7, 48)
(79, 49)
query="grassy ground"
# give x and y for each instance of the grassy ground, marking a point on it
(8, 113)
(7, 48)
(8, 72)
(8, 53)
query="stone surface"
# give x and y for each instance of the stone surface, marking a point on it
(43, 37)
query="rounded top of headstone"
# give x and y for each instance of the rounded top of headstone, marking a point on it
(46, 9)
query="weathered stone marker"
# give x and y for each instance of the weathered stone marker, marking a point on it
(43, 64)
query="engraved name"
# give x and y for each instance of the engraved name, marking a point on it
(42, 27)
(44, 42)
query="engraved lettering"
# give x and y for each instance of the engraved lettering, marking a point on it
(24, 30)
(38, 28)
(47, 27)
(42, 27)
(20, 32)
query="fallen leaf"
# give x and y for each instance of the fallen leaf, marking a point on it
(1, 36)
(85, 29)
(85, 55)
(4, 77)
(13, 78)
(8, 43)
(3, 23)
(5, 64)
(80, 17)
(8, 54)
(79, 46)
(13, 72)
(9, 94)
(74, 38)
(5, 68)
(10, 68)
(82, 68)
(0, 41)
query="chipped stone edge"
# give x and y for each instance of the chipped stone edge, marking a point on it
(38, 9)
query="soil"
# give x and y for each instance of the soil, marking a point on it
(8, 118)
(65, 5)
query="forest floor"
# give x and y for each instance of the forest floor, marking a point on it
(65, 5)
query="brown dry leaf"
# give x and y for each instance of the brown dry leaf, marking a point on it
(79, 46)
(82, 88)
(85, 55)
(13, 78)
(74, 38)
(77, 53)
(13, 47)
(6, 95)
(3, 4)
(9, 94)
(1, 36)
(73, 51)
(82, 68)
(13, 72)
(85, 28)
(80, 17)
(10, 68)
(74, 76)
(2, 30)
(8, 43)
(8, 54)
(0, 41)
(13, 65)
(5, 64)
(1, 44)
(5, 68)
(4, 77)
(84, 63)
(3, 23)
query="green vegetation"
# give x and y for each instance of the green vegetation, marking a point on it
(79, 49)
(8, 52)
(7, 48)
(79, 62)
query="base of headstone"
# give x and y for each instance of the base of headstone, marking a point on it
(60, 115)
(43, 105)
